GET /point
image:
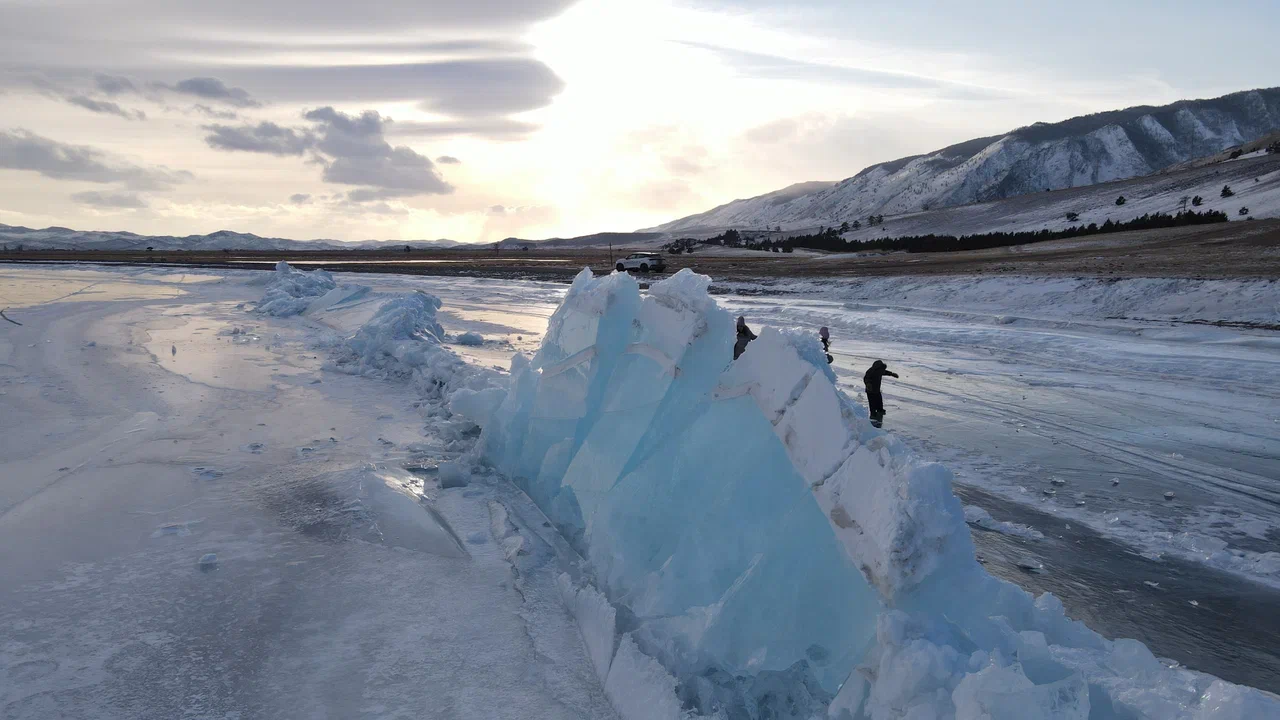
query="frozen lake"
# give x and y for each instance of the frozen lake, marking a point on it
(149, 421)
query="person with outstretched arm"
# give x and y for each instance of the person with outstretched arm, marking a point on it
(871, 379)
(744, 336)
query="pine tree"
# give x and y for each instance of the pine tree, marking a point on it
(1227, 191)
(1197, 201)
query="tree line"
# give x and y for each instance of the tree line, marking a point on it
(831, 241)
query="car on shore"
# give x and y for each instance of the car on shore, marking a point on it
(642, 261)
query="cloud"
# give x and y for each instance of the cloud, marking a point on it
(518, 220)
(470, 64)
(665, 194)
(498, 128)
(114, 84)
(367, 205)
(24, 150)
(105, 107)
(448, 160)
(110, 200)
(678, 150)
(212, 89)
(358, 154)
(460, 88)
(214, 113)
(300, 198)
(777, 67)
(370, 47)
(265, 137)
(775, 131)
(102, 28)
(683, 165)
(823, 146)
(352, 149)
(55, 87)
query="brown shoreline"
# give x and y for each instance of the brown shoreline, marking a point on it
(1229, 250)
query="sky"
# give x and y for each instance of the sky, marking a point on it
(476, 120)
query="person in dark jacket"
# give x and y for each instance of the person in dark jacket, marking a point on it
(744, 336)
(825, 335)
(872, 378)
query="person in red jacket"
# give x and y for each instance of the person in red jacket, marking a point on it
(872, 378)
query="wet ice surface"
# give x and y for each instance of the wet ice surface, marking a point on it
(169, 550)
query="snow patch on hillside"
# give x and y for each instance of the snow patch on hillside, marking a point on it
(1075, 153)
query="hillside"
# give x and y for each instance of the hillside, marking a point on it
(1079, 152)
(1254, 183)
(60, 238)
(596, 240)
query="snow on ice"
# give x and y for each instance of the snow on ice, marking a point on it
(753, 546)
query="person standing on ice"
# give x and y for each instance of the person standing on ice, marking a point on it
(744, 336)
(825, 335)
(872, 378)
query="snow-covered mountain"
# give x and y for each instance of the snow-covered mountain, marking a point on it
(1078, 152)
(60, 238)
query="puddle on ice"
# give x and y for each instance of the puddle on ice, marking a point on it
(207, 473)
(182, 529)
(377, 506)
(211, 352)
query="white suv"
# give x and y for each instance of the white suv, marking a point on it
(643, 261)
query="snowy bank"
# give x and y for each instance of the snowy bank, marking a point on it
(758, 534)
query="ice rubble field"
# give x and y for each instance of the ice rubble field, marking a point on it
(751, 546)
(1063, 299)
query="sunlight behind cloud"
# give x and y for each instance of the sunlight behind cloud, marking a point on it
(578, 117)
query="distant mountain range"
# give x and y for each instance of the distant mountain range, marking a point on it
(60, 238)
(1082, 151)
(1001, 180)
(14, 237)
